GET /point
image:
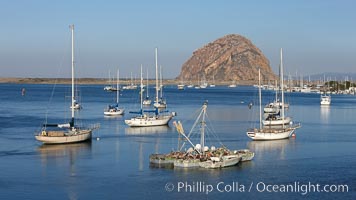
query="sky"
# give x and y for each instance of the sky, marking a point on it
(316, 36)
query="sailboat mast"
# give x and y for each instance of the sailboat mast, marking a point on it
(141, 86)
(160, 81)
(282, 86)
(259, 95)
(72, 30)
(156, 75)
(147, 84)
(117, 86)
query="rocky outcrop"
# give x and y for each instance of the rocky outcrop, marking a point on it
(230, 58)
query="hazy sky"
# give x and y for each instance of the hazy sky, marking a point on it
(316, 35)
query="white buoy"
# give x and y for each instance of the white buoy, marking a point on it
(98, 138)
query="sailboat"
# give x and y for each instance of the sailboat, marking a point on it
(147, 100)
(114, 109)
(110, 88)
(159, 103)
(144, 119)
(69, 132)
(269, 133)
(132, 86)
(276, 119)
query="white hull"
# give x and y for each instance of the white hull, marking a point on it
(146, 102)
(160, 105)
(277, 122)
(148, 121)
(79, 136)
(325, 100)
(270, 134)
(114, 112)
(180, 87)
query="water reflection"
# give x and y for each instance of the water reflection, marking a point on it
(324, 114)
(62, 152)
(276, 146)
(53, 158)
(147, 130)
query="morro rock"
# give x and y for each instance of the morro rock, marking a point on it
(230, 58)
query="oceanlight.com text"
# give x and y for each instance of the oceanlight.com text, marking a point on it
(261, 187)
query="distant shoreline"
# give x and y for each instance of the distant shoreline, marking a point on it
(102, 81)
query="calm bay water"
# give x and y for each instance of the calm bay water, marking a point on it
(117, 166)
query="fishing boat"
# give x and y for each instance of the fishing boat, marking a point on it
(200, 155)
(68, 132)
(145, 119)
(113, 109)
(269, 132)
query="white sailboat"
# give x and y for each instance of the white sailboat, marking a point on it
(159, 103)
(110, 88)
(277, 119)
(132, 86)
(66, 133)
(147, 101)
(144, 119)
(269, 133)
(113, 110)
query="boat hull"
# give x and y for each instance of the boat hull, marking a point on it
(227, 161)
(114, 112)
(191, 163)
(270, 134)
(80, 136)
(148, 121)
